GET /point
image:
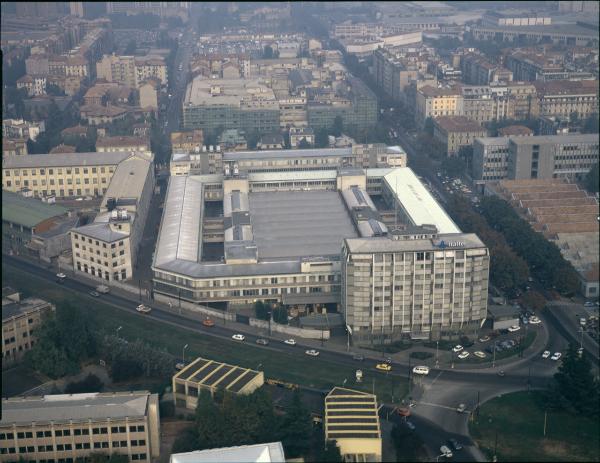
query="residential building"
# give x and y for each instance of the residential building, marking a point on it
(14, 147)
(97, 115)
(32, 227)
(19, 128)
(61, 175)
(122, 144)
(62, 149)
(35, 85)
(564, 97)
(270, 141)
(297, 134)
(522, 100)
(162, 9)
(478, 70)
(233, 140)
(578, 6)
(436, 102)
(257, 453)
(73, 426)
(392, 73)
(107, 248)
(246, 104)
(187, 141)
(485, 103)
(530, 157)
(132, 71)
(455, 132)
(21, 318)
(352, 421)
(204, 374)
(514, 130)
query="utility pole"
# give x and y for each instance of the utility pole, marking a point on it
(140, 288)
(494, 356)
(545, 421)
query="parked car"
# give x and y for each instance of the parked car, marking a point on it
(262, 342)
(94, 294)
(446, 451)
(383, 367)
(580, 351)
(484, 339)
(501, 373)
(582, 321)
(556, 356)
(421, 370)
(457, 348)
(238, 337)
(312, 352)
(143, 309)
(461, 408)
(463, 355)
(546, 354)
(358, 357)
(61, 277)
(290, 342)
(208, 322)
(514, 328)
(454, 444)
(534, 320)
(479, 354)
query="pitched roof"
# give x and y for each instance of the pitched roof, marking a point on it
(27, 211)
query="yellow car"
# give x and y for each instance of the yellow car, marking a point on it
(383, 367)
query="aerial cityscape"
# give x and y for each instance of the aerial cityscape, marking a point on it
(300, 231)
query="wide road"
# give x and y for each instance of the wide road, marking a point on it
(436, 395)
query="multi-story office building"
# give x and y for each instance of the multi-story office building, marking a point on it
(20, 320)
(108, 247)
(456, 131)
(212, 104)
(61, 175)
(565, 97)
(529, 157)
(391, 73)
(435, 102)
(71, 427)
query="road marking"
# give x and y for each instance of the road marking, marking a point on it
(440, 406)
(436, 378)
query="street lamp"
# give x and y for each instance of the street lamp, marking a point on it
(118, 329)
(494, 356)
(349, 332)
(437, 362)
(183, 354)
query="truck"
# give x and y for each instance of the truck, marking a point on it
(102, 289)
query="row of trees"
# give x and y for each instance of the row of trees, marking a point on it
(231, 420)
(263, 311)
(544, 258)
(64, 340)
(508, 271)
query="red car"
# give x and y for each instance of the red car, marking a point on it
(208, 322)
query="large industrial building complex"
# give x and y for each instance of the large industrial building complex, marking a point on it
(279, 236)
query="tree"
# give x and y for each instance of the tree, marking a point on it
(533, 300)
(280, 315)
(268, 52)
(53, 89)
(592, 179)
(91, 383)
(338, 126)
(303, 144)
(123, 369)
(261, 310)
(296, 427)
(321, 138)
(574, 384)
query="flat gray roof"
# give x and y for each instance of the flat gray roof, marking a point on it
(78, 407)
(385, 244)
(64, 160)
(299, 223)
(25, 305)
(101, 231)
(128, 179)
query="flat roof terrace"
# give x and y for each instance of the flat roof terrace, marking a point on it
(299, 223)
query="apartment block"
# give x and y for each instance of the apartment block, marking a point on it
(436, 102)
(35, 85)
(490, 159)
(564, 97)
(455, 132)
(70, 427)
(123, 144)
(108, 247)
(132, 71)
(19, 128)
(61, 175)
(478, 70)
(20, 320)
(187, 141)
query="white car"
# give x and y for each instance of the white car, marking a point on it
(546, 354)
(238, 337)
(312, 352)
(556, 356)
(421, 370)
(62, 276)
(582, 321)
(479, 354)
(580, 351)
(446, 451)
(290, 342)
(514, 328)
(457, 348)
(143, 309)
(534, 320)
(463, 355)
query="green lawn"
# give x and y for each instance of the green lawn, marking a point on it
(303, 370)
(527, 341)
(519, 420)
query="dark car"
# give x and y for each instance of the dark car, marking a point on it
(262, 342)
(454, 444)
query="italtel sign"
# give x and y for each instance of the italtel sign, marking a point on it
(450, 244)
